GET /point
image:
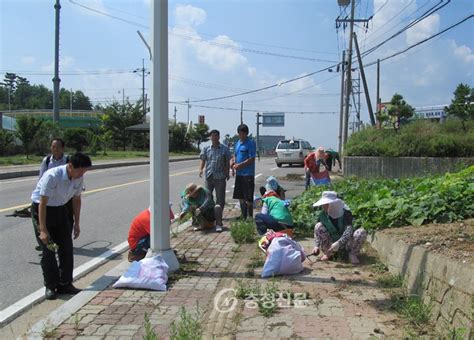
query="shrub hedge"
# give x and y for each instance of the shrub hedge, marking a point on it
(419, 138)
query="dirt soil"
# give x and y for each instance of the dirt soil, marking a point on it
(454, 240)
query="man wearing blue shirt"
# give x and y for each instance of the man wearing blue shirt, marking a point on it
(243, 166)
(49, 213)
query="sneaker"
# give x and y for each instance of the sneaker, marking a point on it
(196, 228)
(218, 228)
(50, 294)
(354, 259)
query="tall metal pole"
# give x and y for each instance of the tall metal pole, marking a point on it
(159, 141)
(341, 115)
(378, 88)
(258, 132)
(56, 79)
(242, 112)
(348, 79)
(175, 110)
(143, 88)
(364, 82)
(70, 102)
(187, 101)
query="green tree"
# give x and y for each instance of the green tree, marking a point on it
(178, 138)
(79, 100)
(77, 138)
(199, 134)
(6, 142)
(26, 128)
(462, 105)
(117, 117)
(399, 109)
(42, 139)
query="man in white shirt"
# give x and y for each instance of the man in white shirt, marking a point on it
(49, 213)
(56, 158)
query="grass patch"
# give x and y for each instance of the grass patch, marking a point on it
(257, 260)
(411, 308)
(49, 333)
(111, 155)
(243, 231)
(187, 327)
(379, 268)
(149, 331)
(390, 281)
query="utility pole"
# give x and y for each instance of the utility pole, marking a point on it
(242, 112)
(189, 106)
(70, 102)
(56, 79)
(348, 79)
(123, 97)
(348, 89)
(364, 82)
(175, 110)
(341, 115)
(144, 72)
(378, 88)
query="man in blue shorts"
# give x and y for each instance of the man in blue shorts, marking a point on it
(243, 167)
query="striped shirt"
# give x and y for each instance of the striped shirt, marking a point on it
(217, 160)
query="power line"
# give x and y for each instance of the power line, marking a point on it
(182, 36)
(422, 41)
(264, 88)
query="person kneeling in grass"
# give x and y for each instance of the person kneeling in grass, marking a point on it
(334, 230)
(199, 201)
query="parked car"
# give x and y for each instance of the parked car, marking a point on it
(292, 151)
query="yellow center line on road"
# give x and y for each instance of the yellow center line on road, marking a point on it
(101, 189)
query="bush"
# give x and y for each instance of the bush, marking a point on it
(6, 142)
(77, 138)
(419, 138)
(243, 231)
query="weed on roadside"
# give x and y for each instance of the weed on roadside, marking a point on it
(256, 261)
(379, 268)
(149, 331)
(411, 308)
(243, 231)
(49, 333)
(187, 327)
(390, 281)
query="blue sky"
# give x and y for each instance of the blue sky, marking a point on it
(220, 48)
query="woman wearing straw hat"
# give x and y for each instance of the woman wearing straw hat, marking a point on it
(198, 200)
(334, 230)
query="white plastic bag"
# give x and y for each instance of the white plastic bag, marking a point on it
(149, 273)
(285, 257)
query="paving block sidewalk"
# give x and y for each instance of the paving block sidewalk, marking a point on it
(339, 301)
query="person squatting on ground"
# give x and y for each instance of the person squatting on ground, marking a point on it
(198, 200)
(216, 160)
(316, 169)
(56, 158)
(334, 231)
(275, 214)
(50, 217)
(243, 167)
(139, 235)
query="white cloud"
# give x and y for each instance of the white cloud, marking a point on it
(189, 16)
(463, 52)
(218, 56)
(28, 60)
(64, 63)
(423, 29)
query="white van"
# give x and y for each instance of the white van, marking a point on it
(292, 151)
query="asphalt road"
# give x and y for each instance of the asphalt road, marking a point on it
(111, 200)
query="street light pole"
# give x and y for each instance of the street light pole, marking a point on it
(56, 79)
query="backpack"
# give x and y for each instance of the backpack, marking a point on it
(48, 160)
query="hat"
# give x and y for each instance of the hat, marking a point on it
(327, 197)
(191, 188)
(271, 184)
(320, 153)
